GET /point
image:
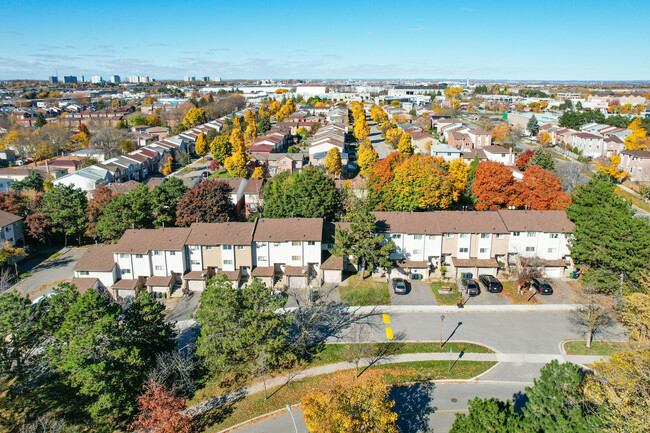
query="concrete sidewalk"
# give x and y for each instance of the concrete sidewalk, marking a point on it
(454, 309)
(409, 357)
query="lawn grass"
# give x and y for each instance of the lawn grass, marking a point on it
(452, 298)
(366, 292)
(255, 405)
(334, 353)
(604, 348)
(510, 290)
(54, 256)
(186, 170)
(634, 199)
(220, 174)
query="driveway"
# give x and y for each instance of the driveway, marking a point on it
(418, 293)
(487, 298)
(326, 293)
(563, 293)
(48, 274)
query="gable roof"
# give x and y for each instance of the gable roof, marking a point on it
(141, 241)
(548, 221)
(280, 230)
(228, 233)
(97, 258)
(7, 218)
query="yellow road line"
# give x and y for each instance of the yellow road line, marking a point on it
(386, 318)
(389, 333)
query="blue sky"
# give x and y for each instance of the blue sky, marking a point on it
(522, 40)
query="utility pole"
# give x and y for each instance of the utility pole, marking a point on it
(442, 319)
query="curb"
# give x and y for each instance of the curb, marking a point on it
(378, 309)
(257, 418)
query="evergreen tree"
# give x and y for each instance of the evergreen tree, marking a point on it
(542, 158)
(164, 202)
(126, 211)
(608, 240)
(66, 207)
(487, 415)
(40, 120)
(533, 125)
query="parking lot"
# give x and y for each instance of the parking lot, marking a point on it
(418, 293)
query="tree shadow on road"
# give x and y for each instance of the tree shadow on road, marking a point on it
(519, 400)
(413, 405)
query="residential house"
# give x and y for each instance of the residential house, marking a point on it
(589, 145)
(479, 137)
(500, 154)
(98, 262)
(446, 151)
(11, 229)
(10, 175)
(253, 202)
(636, 163)
(420, 140)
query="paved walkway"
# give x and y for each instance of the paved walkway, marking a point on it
(410, 357)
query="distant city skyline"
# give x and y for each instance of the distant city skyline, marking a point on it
(550, 41)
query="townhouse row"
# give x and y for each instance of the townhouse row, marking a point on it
(296, 252)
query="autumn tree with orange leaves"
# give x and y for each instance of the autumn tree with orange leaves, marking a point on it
(524, 159)
(542, 190)
(161, 412)
(495, 187)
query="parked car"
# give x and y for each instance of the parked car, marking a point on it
(469, 286)
(542, 286)
(491, 283)
(400, 287)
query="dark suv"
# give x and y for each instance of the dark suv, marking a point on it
(470, 286)
(491, 283)
(541, 286)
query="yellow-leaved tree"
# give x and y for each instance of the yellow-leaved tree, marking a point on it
(459, 170)
(611, 169)
(333, 162)
(620, 388)
(393, 136)
(360, 405)
(638, 139)
(258, 173)
(634, 312)
(367, 157)
(201, 145)
(195, 116)
(544, 138)
(237, 141)
(236, 164)
(167, 166)
(404, 146)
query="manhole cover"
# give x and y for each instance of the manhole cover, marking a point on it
(453, 400)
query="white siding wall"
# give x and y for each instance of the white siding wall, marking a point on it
(141, 265)
(484, 246)
(195, 255)
(107, 278)
(464, 244)
(228, 257)
(176, 262)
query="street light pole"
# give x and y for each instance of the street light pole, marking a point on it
(442, 319)
(292, 418)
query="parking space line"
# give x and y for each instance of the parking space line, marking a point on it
(386, 318)
(389, 333)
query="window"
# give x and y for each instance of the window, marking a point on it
(431, 237)
(126, 271)
(295, 243)
(463, 250)
(483, 250)
(445, 259)
(499, 235)
(396, 236)
(530, 249)
(194, 247)
(138, 256)
(227, 247)
(261, 258)
(209, 247)
(157, 253)
(417, 237)
(552, 250)
(262, 245)
(296, 258)
(172, 253)
(532, 234)
(464, 235)
(417, 251)
(227, 262)
(124, 256)
(83, 273)
(311, 243)
(196, 262)
(449, 235)
(276, 244)
(240, 247)
(555, 235)
(159, 268)
(7, 229)
(485, 235)
(515, 234)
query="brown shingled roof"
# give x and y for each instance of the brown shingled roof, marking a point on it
(229, 233)
(282, 230)
(144, 240)
(547, 221)
(7, 218)
(98, 258)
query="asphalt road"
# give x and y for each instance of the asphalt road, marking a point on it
(49, 273)
(377, 142)
(508, 332)
(420, 407)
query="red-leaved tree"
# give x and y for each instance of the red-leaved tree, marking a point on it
(207, 202)
(495, 187)
(95, 208)
(159, 411)
(524, 159)
(214, 165)
(39, 227)
(13, 202)
(542, 190)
